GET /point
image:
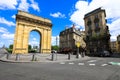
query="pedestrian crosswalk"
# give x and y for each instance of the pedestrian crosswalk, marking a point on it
(81, 64)
(71, 63)
(92, 61)
(92, 64)
(86, 63)
(104, 64)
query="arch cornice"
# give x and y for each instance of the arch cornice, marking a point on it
(32, 20)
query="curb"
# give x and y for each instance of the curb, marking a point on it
(55, 61)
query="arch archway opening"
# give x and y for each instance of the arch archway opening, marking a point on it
(34, 42)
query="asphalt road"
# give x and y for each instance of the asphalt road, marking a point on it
(91, 69)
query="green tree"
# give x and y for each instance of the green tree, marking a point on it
(11, 46)
(29, 47)
(55, 48)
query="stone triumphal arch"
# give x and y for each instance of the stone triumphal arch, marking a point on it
(25, 23)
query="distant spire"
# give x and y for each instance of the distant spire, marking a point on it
(79, 29)
(73, 26)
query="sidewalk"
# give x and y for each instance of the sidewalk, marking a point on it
(40, 58)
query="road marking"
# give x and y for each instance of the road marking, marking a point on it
(115, 63)
(62, 63)
(92, 61)
(104, 64)
(81, 64)
(91, 64)
(71, 63)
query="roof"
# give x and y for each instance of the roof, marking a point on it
(94, 12)
(72, 30)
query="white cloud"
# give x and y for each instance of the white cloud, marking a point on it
(5, 4)
(34, 5)
(54, 40)
(34, 39)
(24, 5)
(13, 16)
(3, 30)
(4, 21)
(1, 44)
(34, 43)
(114, 29)
(112, 11)
(5, 43)
(57, 15)
(7, 36)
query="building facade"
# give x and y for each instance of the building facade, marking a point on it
(69, 38)
(113, 46)
(118, 43)
(97, 32)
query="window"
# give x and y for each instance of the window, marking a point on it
(96, 24)
(96, 16)
(89, 19)
(96, 19)
(63, 33)
(89, 22)
(97, 33)
(118, 38)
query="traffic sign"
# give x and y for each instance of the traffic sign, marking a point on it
(78, 44)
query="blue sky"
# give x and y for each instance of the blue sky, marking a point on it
(62, 13)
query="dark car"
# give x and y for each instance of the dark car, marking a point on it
(105, 53)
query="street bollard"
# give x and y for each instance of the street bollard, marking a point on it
(56, 55)
(83, 54)
(69, 56)
(52, 56)
(7, 56)
(77, 55)
(17, 57)
(33, 57)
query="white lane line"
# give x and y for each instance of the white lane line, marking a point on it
(91, 64)
(71, 63)
(81, 64)
(92, 61)
(104, 64)
(62, 63)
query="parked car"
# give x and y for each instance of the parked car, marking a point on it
(105, 53)
(53, 51)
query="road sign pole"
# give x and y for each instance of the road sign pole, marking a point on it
(77, 56)
(78, 45)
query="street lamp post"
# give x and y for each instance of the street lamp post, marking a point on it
(78, 45)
